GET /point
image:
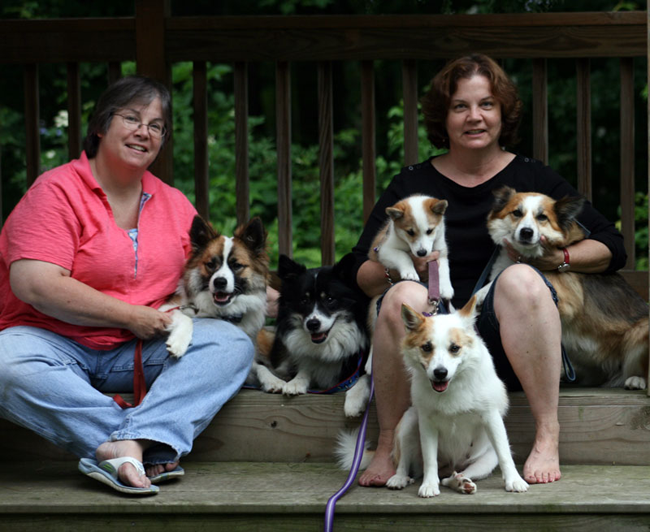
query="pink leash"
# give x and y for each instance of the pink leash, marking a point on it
(434, 301)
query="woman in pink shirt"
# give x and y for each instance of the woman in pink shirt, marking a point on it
(87, 256)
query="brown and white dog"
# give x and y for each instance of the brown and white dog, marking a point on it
(224, 278)
(604, 320)
(415, 227)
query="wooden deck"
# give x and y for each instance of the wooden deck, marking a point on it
(245, 496)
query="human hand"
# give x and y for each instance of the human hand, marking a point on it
(147, 322)
(422, 264)
(551, 259)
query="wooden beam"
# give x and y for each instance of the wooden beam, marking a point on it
(201, 173)
(283, 127)
(410, 94)
(32, 128)
(540, 111)
(627, 159)
(74, 111)
(241, 142)
(151, 59)
(368, 137)
(326, 162)
(584, 128)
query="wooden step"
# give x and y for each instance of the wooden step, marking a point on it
(599, 426)
(262, 496)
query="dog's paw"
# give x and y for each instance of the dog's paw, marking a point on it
(180, 335)
(446, 292)
(356, 398)
(517, 484)
(460, 483)
(428, 490)
(272, 385)
(635, 383)
(294, 388)
(409, 275)
(398, 482)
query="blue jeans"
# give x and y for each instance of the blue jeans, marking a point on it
(53, 386)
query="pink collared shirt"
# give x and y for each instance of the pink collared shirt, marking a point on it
(65, 219)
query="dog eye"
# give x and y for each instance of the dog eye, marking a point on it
(517, 213)
(429, 231)
(212, 264)
(542, 217)
(235, 266)
(453, 349)
(427, 348)
(410, 232)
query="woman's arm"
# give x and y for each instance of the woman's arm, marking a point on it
(51, 290)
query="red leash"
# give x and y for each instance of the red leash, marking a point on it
(139, 383)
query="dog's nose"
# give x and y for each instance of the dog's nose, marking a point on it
(422, 252)
(440, 373)
(313, 324)
(220, 283)
(526, 233)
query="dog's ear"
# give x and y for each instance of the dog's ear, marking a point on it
(502, 196)
(253, 235)
(289, 269)
(469, 311)
(396, 211)
(437, 206)
(343, 268)
(201, 233)
(567, 210)
(412, 319)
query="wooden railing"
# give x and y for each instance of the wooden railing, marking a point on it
(155, 41)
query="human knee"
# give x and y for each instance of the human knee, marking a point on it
(412, 294)
(523, 286)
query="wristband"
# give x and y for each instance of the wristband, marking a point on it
(566, 265)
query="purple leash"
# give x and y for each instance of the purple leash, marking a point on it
(356, 462)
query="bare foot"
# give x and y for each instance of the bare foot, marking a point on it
(543, 463)
(381, 468)
(157, 469)
(126, 473)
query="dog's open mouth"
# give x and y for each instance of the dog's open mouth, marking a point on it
(223, 298)
(439, 386)
(319, 338)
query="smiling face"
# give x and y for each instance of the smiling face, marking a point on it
(474, 115)
(134, 149)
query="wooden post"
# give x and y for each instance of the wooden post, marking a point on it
(152, 61)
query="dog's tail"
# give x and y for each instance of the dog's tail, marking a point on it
(346, 443)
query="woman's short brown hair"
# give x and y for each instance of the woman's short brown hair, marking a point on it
(436, 102)
(125, 91)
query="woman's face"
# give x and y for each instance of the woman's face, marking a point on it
(134, 148)
(474, 115)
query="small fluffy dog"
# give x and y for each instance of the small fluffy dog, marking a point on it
(456, 421)
(224, 278)
(321, 337)
(604, 320)
(415, 227)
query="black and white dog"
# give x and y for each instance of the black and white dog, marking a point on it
(321, 339)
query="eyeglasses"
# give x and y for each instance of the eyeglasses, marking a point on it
(133, 123)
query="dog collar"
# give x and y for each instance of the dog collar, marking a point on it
(566, 265)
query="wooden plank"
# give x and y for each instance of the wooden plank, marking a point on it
(326, 161)
(114, 71)
(74, 111)
(416, 38)
(151, 59)
(540, 111)
(368, 137)
(283, 147)
(627, 159)
(598, 426)
(410, 95)
(638, 280)
(242, 188)
(201, 163)
(584, 128)
(32, 128)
